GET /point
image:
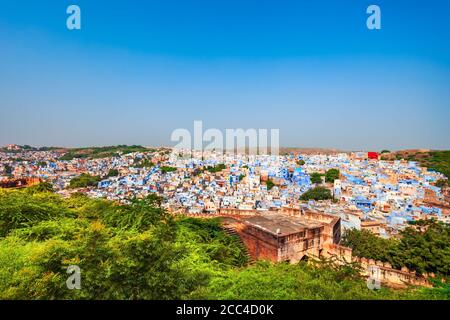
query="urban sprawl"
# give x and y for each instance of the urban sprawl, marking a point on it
(366, 192)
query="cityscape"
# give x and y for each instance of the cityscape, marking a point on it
(225, 158)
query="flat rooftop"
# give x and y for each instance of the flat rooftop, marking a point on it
(286, 225)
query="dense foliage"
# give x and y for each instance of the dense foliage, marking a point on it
(217, 168)
(84, 180)
(316, 177)
(269, 184)
(319, 281)
(124, 252)
(423, 247)
(112, 173)
(139, 251)
(331, 175)
(166, 169)
(317, 193)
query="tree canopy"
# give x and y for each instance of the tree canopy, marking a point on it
(316, 177)
(166, 169)
(317, 193)
(84, 180)
(331, 175)
(112, 173)
(423, 247)
(269, 184)
(301, 162)
(217, 168)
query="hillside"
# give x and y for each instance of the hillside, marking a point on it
(433, 160)
(101, 152)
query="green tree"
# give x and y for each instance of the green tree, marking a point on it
(331, 175)
(316, 178)
(41, 187)
(112, 173)
(422, 247)
(317, 193)
(25, 209)
(366, 244)
(84, 180)
(269, 184)
(216, 168)
(441, 183)
(166, 169)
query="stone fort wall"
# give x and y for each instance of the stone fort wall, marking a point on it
(262, 246)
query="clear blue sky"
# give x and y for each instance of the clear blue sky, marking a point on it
(137, 71)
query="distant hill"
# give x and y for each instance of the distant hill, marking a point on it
(438, 160)
(101, 152)
(326, 151)
(17, 148)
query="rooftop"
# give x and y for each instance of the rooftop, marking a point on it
(281, 225)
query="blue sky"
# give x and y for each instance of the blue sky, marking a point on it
(135, 72)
